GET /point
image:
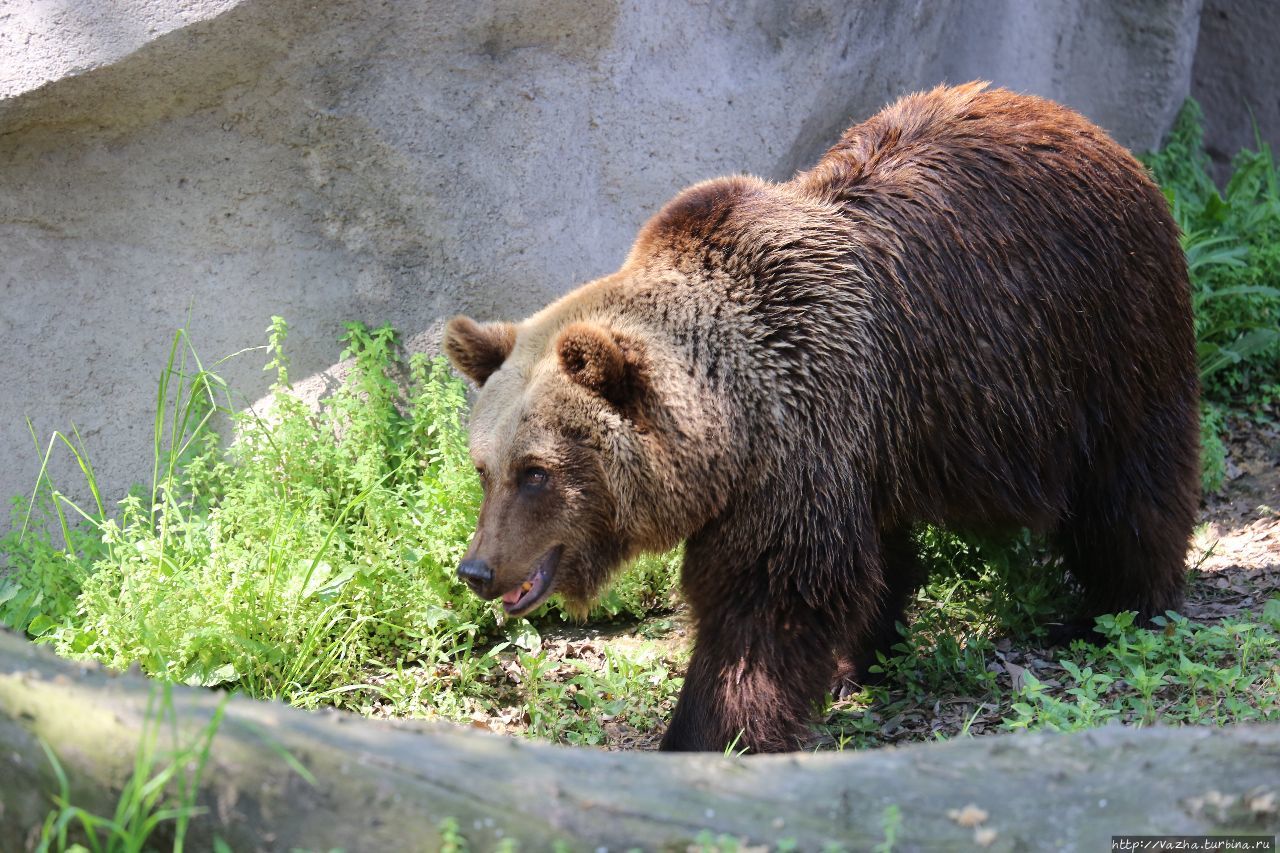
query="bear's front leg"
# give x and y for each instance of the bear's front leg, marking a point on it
(752, 683)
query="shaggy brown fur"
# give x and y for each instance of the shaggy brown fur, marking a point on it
(973, 311)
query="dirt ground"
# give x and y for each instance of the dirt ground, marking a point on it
(1234, 568)
(1235, 557)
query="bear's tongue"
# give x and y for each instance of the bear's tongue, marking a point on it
(534, 587)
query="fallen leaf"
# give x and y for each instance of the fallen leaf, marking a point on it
(970, 815)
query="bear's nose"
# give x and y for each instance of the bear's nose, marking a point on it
(477, 575)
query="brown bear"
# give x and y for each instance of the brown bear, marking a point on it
(973, 311)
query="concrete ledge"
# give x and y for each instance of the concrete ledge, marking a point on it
(382, 785)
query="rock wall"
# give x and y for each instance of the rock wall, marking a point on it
(213, 163)
(1236, 77)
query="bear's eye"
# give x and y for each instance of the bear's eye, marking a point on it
(534, 480)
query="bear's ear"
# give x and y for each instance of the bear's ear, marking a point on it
(477, 349)
(597, 360)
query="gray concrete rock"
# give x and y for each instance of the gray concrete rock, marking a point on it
(1236, 77)
(215, 163)
(42, 41)
(1126, 65)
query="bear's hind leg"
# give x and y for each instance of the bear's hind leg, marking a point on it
(1125, 536)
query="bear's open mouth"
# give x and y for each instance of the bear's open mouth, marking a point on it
(530, 593)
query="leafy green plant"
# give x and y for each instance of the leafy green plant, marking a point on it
(995, 583)
(1179, 673)
(636, 689)
(1213, 451)
(451, 838)
(1232, 243)
(979, 589)
(984, 595)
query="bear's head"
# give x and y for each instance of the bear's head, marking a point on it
(559, 433)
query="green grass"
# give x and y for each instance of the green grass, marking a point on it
(314, 551)
(158, 796)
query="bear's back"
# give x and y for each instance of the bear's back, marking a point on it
(963, 297)
(1025, 289)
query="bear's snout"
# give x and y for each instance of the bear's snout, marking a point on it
(478, 575)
